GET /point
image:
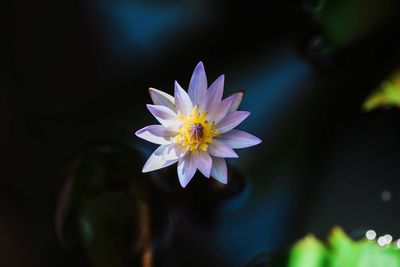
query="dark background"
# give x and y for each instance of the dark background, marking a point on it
(75, 77)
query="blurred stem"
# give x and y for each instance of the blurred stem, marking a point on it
(145, 234)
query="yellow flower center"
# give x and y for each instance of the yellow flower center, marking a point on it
(196, 132)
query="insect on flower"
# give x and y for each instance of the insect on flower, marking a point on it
(197, 129)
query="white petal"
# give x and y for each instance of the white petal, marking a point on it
(236, 102)
(239, 139)
(186, 169)
(198, 84)
(164, 115)
(182, 100)
(156, 161)
(203, 162)
(214, 93)
(217, 113)
(221, 150)
(219, 170)
(161, 98)
(173, 151)
(231, 120)
(157, 134)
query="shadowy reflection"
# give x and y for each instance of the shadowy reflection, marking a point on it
(114, 215)
(106, 209)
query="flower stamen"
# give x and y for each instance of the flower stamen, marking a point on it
(196, 133)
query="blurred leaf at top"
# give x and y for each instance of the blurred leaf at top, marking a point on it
(345, 21)
(387, 95)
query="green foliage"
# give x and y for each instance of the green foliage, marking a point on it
(345, 21)
(308, 252)
(387, 95)
(341, 251)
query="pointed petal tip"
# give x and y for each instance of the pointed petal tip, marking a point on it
(137, 133)
(152, 90)
(203, 162)
(186, 170)
(150, 107)
(161, 98)
(145, 169)
(256, 141)
(223, 182)
(219, 171)
(155, 161)
(176, 85)
(220, 77)
(200, 64)
(183, 184)
(246, 114)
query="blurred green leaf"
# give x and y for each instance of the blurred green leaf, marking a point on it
(308, 252)
(341, 251)
(387, 95)
(345, 21)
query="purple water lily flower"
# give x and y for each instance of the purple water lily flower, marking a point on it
(197, 129)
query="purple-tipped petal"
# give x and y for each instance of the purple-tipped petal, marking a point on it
(198, 84)
(186, 169)
(164, 115)
(219, 170)
(157, 134)
(156, 161)
(214, 93)
(221, 150)
(173, 151)
(217, 113)
(239, 139)
(182, 101)
(231, 120)
(203, 162)
(237, 100)
(162, 99)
